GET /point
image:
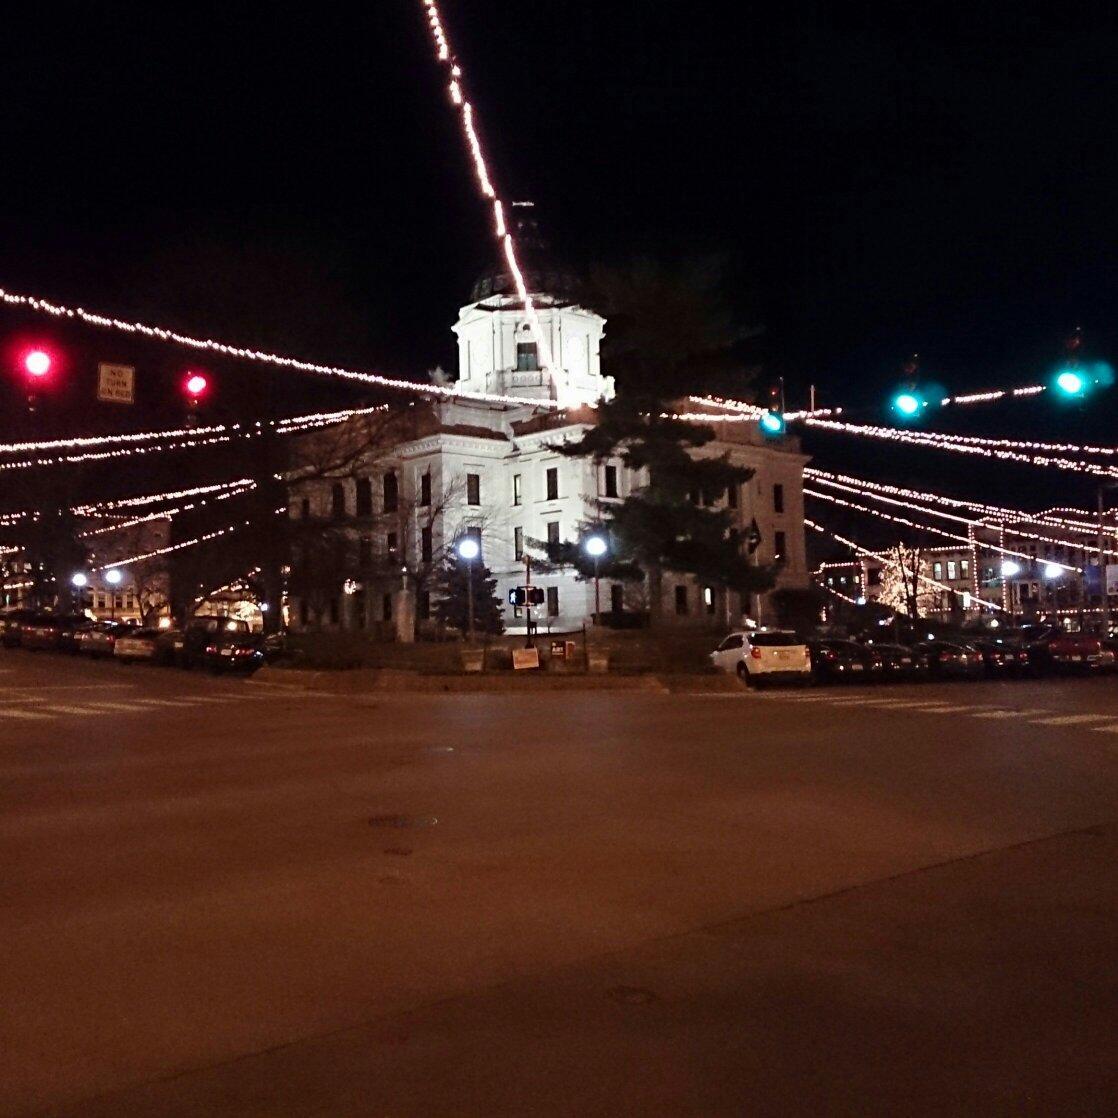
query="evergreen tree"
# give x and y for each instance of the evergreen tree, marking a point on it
(452, 590)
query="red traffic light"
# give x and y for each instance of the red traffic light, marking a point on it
(37, 363)
(195, 385)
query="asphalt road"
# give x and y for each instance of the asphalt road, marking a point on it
(221, 900)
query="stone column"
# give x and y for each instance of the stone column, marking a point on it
(403, 615)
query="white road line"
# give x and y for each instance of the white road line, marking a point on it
(1109, 728)
(165, 702)
(1071, 719)
(1007, 713)
(128, 708)
(65, 708)
(23, 714)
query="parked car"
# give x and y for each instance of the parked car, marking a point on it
(11, 622)
(242, 652)
(951, 659)
(1001, 658)
(763, 656)
(99, 639)
(834, 660)
(69, 637)
(187, 647)
(48, 630)
(898, 661)
(136, 644)
(1052, 649)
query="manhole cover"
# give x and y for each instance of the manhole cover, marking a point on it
(403, 820)
(631, 995)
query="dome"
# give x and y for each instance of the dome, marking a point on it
(542, 275)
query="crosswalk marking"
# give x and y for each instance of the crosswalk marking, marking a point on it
(1006, 713)
(65, 708)
(1109, 728)
(166, 702)
(1071, 719)
(12, 712)
(102, 704)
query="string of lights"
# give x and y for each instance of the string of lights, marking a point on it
(155, 498)
(456, 89)
(226, 349)
(871, 492)
(919, 438)
(166, 514)
(830, 497)
(858, 549)
(205, 537)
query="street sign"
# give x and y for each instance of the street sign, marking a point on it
(525, 658)
(116, 384)
(753, 536)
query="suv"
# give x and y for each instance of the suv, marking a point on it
(764, 655)
(1051, 648)
(187, 647)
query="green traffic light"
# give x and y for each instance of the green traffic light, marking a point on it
(1071, 383)
(772, 423)
(907, 403)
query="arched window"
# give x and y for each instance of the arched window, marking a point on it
(391, 492)
(364, 497)
(337, 501)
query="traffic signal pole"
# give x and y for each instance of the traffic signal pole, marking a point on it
(528, 601)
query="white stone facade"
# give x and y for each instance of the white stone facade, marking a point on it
(493, 469)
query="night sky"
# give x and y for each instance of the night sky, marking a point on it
(883, 179)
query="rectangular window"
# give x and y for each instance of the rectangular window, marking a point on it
(732, 496)
(425, 490)
(390, 543)
(527, 357)
(553, 484)
(937, 570)
(473, 489)
(874, 578)
(423, 606)
(391, 492)
(425, 548)
(964, 568)
(553, 531)
(610, 481)
(518, 544)
(780, 546)
(386, 607)
(681, 600)
(553, 601)
(708, 599)
(778, 498)
(951, 572)
(365, 551)
(517, 489)
(616, 598)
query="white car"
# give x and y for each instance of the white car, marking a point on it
(138, 644)
(763, 656)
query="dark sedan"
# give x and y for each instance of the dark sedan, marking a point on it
(898, 661)
(242, 653)
(1003, 658)
(49, 630)
(951, 660)
(835, 661)
(11, 626)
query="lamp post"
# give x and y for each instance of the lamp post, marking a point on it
(113, 577)
(468, 550)
(79, 581)
(596, 547)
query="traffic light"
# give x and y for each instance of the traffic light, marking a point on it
(518, 596)
(36, 364)
(772, 419)
(535, 595)
(1071, 382)
(194, 386)
(908, 403)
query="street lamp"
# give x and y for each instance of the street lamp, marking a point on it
(1010, 568)
(1053, 570)
(468, 550)
(113, 576)
(596, 547)
(79, 580)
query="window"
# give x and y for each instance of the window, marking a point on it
(553, 531)
(780, 546)
(517, 489)
(553, 601)
(617, 598)
(610, 481)
(473, 489)
(964, 568)
(425, 490)
(734, 641)
(874, 576)
(937, 570)
(951, 569)
(306, 508)
(337, 501)
(424, 605)
(390, 543)
(518, 543)
(732, 496)
(391, 492)
(553, 484)
(527, 357)
(778, 498)
(386, 607)
(708, 599)
(425, 549)
(681, 599)
(475, 535)
(364, 497)
(365, 551)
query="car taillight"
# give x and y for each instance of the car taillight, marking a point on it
(1023, 657)
(975, 657)
(211, 647)
(755, 653)
(830, 655)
